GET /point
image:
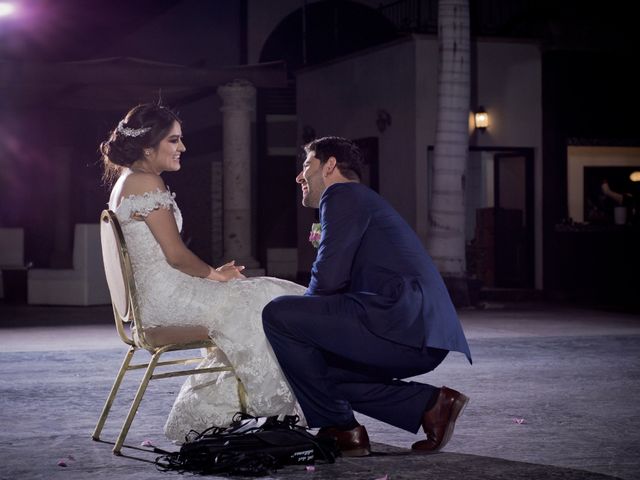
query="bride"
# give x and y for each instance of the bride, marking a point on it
(177, 288)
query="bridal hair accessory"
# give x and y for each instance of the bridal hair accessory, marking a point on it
(315, 234)
(131, 132)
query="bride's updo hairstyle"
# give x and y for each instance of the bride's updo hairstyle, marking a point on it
(144, 126)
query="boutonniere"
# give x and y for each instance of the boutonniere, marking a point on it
(315, 234)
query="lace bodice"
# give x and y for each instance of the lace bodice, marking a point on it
(232, 313)
(145, 252)
(156, 281)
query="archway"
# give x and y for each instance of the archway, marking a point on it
(325, 30)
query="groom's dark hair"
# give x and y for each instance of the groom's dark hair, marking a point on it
(347, 154)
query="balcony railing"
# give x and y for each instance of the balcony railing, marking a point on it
(512, 18)
(412, 15)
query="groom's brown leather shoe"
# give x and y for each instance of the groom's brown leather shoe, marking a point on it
(439, 421)
(352, 443)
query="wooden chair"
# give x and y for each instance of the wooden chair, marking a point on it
(156, 341)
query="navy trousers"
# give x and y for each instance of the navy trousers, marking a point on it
(335, 365)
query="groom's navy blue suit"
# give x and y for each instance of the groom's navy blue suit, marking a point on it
(376, 311)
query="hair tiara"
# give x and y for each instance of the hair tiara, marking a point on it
(131, 132)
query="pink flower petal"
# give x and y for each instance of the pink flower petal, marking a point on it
(146, 443)
(61, 463)
(519, 421)
(310, 468)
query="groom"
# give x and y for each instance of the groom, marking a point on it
(376, 311)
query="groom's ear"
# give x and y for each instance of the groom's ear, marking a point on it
(329, 166)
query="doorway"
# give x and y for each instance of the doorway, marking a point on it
(499, 217)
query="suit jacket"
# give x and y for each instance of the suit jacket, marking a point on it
(369, 253)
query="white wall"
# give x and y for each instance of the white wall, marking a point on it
(508, 83)
(426, 59)
(509, 86)
(343, 97)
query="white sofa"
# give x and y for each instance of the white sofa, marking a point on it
(85, 284)
(11, 251)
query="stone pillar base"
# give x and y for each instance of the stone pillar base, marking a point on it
(254, 272)
(248, 262)
(464, 291)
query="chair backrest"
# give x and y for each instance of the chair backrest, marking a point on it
(122, 288)
(117, 268)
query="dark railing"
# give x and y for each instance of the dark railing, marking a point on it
(412, 15)
(488, 17)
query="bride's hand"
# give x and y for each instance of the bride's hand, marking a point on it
(230, 273)
(226, 272)
(230, 265)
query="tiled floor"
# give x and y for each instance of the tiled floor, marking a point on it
(553, 395)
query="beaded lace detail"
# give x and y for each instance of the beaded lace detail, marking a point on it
(232, 313)
(135, 206)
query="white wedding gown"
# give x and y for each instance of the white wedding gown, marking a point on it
(231, 311)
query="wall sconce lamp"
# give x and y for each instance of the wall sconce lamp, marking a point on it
(481, 118)
(635, 176)
(383, 120)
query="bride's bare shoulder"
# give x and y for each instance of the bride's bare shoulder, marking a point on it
(137, 183)
(134, 184)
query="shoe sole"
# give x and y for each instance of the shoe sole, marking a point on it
(458, 407)
(357, 452)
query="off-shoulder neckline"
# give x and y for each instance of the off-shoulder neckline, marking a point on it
(158, 191)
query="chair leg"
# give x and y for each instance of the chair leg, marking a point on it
(136, 402)
(242, 395)
(112, 393)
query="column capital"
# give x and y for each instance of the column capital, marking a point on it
(239, 94)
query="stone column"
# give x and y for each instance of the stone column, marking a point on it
(238, 105)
